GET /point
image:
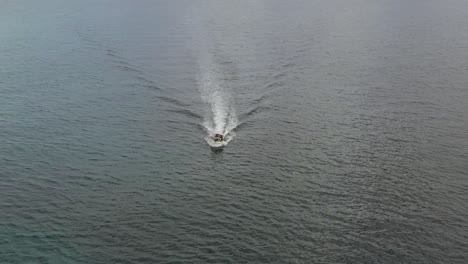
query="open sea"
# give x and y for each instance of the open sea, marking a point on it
(346, 125)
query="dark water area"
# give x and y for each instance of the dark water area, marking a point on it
(346, 121)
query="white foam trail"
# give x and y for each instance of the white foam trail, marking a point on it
(214, 95)
(221, 116)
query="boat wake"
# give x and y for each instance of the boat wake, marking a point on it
(220, 117)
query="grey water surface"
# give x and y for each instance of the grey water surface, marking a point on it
(347, 121)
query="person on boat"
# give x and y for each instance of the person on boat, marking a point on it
(218, 137)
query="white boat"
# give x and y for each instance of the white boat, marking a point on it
(217, 141)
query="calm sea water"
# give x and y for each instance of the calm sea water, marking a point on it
(346, 120)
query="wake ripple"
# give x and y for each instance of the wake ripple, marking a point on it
(221, 117)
